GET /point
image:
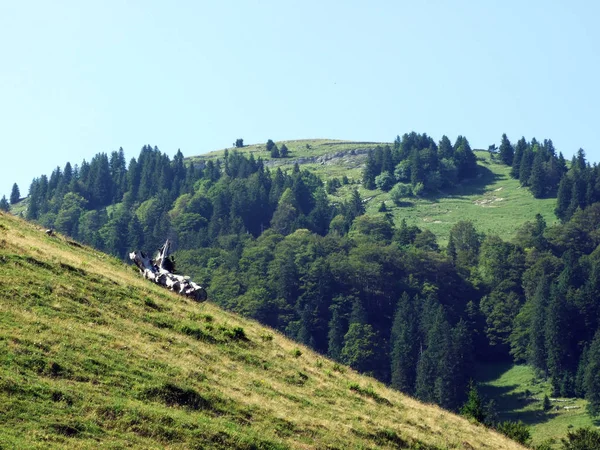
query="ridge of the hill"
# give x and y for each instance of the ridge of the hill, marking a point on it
(93, 356)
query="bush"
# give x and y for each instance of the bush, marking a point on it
(418, 189)
(582, 439)
(385, 181)
(399, 192)
(517, 431)
(402, 171)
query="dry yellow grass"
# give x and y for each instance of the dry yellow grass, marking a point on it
(86, 343)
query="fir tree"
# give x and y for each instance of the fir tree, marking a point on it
(525, 166)
(15, 194)
(520, 148)
(473, 408)
(370, 171)
(592, 377)
(506, 151)
(404, 345)
(4, 205)
(537, 180)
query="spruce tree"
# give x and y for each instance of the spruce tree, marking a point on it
(404, 345)
(525, 166)
(537, 180)
(370, 171)
(15, 194)
(4, 205)
(284, 151)
(506, 151)
(518, 156)
(592, 377)
(564, 197)
(537, 342)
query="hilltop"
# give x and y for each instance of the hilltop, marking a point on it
(493, 201)
(96, 357)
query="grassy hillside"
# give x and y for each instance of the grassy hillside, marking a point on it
(518, 394)
(93, 356)
(494, 201)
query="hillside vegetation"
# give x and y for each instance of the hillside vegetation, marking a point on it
(321, 246)
(93, 356)
(494, 201)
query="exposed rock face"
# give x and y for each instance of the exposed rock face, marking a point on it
(348, 156)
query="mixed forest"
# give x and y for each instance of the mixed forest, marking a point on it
(380, 296)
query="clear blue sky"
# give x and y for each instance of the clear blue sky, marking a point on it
(80, 77)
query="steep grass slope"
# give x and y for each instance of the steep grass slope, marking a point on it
(518, 394)
(93, 356)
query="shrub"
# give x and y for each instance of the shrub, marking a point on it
(582, 439)
(418, 189)
(399, 192)
(385, 181)
(236, 334)
(296, 353)
(517, 431)
(267, 337)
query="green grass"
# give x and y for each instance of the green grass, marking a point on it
(301, 148)
(93, 356)
(494, 202)
(518, 394)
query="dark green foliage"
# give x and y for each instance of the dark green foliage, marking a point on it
(239, 143)
(591, 380)
(270, 145)
(473, 407)
(582, 439)
(385, 181)
(546, 405)
(270, 245)
(517, 431)
(506, 151)
(15, 194)
(405, 345)
(284, 151)
(369, 392)
(174, 395)
(4, 205)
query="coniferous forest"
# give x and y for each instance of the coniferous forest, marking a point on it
(385, 299)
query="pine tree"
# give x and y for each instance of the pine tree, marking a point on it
(506, 151)
(15, 194)
(404, 345)
(335, 334)
(270, 145)
(537, 341)
(537, 180)
(275, 152)
(4, 205)
(592, 377)
(473, 408)
(370, 171)
(284, 151)
(517, 158)
(445, 150)
(525, 166)
(564, 197)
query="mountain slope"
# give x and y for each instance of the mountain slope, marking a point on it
(494, 202)
(93, 356)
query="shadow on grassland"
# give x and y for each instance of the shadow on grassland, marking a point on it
(470, 187)
(509, 404)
